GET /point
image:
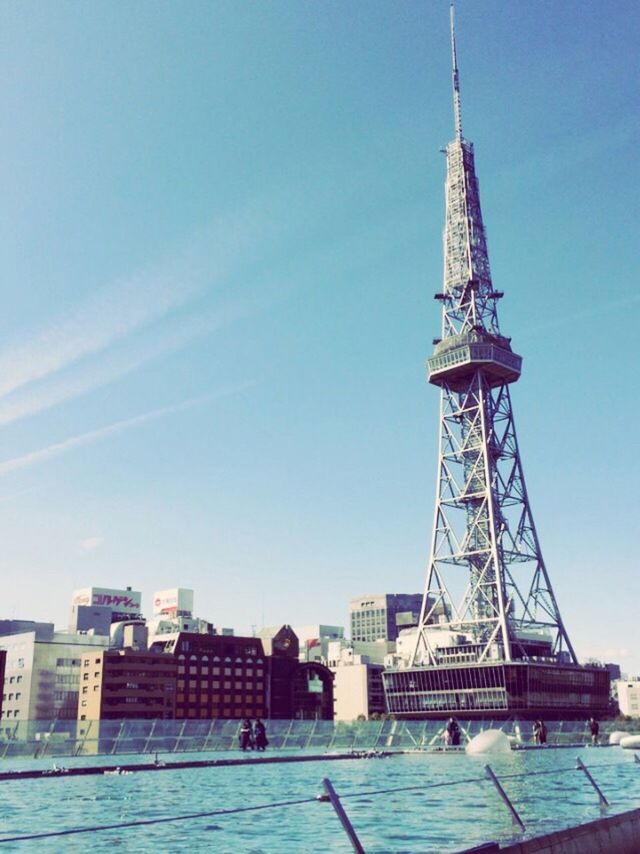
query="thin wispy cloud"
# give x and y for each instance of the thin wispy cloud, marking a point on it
(90, 544)
(136, 301)
(115, 365)
(118, 427)
(19, 494)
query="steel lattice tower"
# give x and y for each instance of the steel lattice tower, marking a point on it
(483, 528)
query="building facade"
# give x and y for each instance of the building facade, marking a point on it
(357, 668)
(297, 690)
(120, 684)
(358, 691)
(380, 616)
(3, 661)
(315, 639)
(217, 676)
(628, 691)
(42, 674)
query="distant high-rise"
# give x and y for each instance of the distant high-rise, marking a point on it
(490, 637)
(380, 616)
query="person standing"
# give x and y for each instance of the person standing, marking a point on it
(594, 729)
(244, 736)
(539, 732)
(536, 732)
(454, 732)
(260, 735)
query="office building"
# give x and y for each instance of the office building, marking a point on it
(120, 684)
(3, 661)
(628, 691)
(380, 616)
(96, 608)
(314, 640)
(42, 673)
(301, 690)
(357, 678)
(217, 676)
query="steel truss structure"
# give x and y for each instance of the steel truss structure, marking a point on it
(505, 609)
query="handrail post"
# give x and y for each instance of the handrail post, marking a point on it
(344, 818)
(514, 815)
(582, 767)
(636, 757)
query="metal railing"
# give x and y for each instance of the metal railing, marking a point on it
(93, 738)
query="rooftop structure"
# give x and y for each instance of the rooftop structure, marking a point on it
(490, 636)
(125, 604)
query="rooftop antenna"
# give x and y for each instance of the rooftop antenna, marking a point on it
(456, 80)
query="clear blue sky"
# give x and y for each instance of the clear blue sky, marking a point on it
(220, 234)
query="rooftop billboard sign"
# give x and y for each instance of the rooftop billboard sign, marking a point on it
(122, 601)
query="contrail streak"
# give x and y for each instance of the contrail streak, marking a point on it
(128, 304)
(59, 448)
(32, 400)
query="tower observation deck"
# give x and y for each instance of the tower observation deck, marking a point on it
(490, 638)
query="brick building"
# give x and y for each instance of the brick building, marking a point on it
(217, 676)
(117, 684)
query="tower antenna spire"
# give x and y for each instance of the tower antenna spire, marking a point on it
(456, 79)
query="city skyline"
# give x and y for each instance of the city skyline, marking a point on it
(220, 241)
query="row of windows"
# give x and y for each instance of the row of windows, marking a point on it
(216, 699)
(11, 679)
(66, 696)
(215, 683)
(226, 671)
(216, 658)
(118, 675)
(10, 696)
(221, 713)
(67, 678)
(67, 662)
(227, 649)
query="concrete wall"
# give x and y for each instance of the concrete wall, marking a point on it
(619, 834)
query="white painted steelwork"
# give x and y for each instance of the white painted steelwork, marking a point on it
(486, 580)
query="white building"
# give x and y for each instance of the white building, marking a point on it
(357, 691)
(357, 668)
(175, 602)
(42, 674)
(629, 697)
(125, 604)
(314, 640)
